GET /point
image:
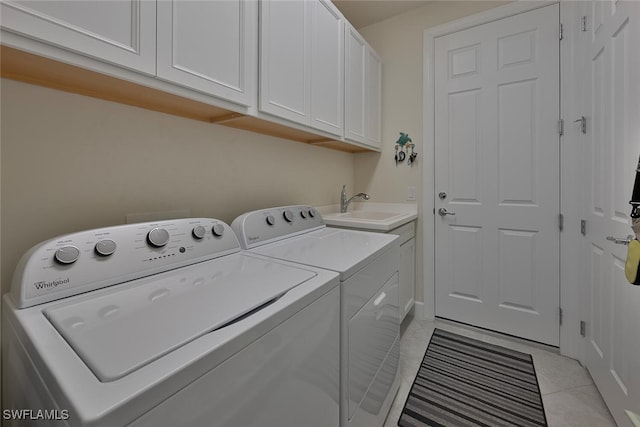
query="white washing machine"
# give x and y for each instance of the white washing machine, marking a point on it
(168, 324)
(370, 317)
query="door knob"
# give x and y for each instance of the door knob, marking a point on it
(443, 212)
(619, 241)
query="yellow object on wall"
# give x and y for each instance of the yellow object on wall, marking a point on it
(633, 262)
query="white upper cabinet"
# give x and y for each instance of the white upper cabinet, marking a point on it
(290, 62)
(355, 58)
(210, 46)
(301, 63)
(373, 98)
(362, 91)
(285, 49)
(121, 32)
(327, 68)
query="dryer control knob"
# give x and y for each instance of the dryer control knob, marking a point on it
(67, 254)
(199, 232)
(304, 214)
(312, 213)
(288, 216)
(271, 220)
(105, 247)
(158, 237)
(218, 230)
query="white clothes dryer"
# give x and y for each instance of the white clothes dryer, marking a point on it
(370, 316)
(168, 324)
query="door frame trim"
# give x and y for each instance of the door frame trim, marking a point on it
(570, 188)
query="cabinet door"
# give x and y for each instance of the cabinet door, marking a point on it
(210, 46)
(121, 32)
(355, 88)
(407, 276)
(373, 97)
(327, 60)
(285, 46)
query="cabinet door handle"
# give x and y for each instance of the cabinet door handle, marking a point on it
(380, 298)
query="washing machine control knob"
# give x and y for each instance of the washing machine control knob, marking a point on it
(67, 254)
(304, 214)
(312, 213)
(105, 247)
(288, 215)
(271, 220)
(218, 230)
(199, 232)
(158, 237)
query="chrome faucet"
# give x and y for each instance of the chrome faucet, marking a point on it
(344, 203)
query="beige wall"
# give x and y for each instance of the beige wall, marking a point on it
(399, 42)
(71, 163)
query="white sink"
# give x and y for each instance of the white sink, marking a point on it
(370, 215)
(375, 219)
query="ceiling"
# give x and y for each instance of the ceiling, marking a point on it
(361, 13)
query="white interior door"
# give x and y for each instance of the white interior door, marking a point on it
(611, 89)
(497, 160)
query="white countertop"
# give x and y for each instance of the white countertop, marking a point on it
(370, 215)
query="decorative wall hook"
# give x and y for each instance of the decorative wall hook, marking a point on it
(403, 145)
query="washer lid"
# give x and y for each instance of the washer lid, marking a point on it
(117, 331)
(343, 251)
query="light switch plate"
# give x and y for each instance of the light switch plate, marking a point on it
(411, 193)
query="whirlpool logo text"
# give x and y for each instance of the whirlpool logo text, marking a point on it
(43, 284)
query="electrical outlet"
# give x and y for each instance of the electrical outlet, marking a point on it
(411, 193)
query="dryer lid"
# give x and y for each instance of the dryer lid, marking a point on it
(119, 330)
(343, 251)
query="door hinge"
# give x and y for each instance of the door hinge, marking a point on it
(560, 314)
(561, 127)
(583, 328)
(584, 24)
(561, 221)
(583, 227)
(561, 32)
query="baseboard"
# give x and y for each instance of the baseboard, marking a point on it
(418, 310)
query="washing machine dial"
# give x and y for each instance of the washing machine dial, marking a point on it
(312, 213)
(158, 237)
(270, 220)
(199, 232)
(105, 247)
(67, 254)
(218, 230)
(288, 215)
(304, 214)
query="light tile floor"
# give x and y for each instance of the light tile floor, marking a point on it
(568, 394)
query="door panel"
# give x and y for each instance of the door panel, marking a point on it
(373, 99)
(120, 32)
(210, 47)
(497, 158)
(285, 46)
(355, 89)
(327, 83)
(610, 93)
